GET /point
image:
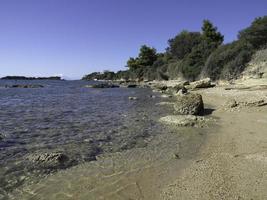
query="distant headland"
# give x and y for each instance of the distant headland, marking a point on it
(31, 78)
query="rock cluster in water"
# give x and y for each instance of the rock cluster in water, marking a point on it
(24, 86)
(102, 85)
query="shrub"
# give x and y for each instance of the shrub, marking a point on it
(174, 69)
(228, 61)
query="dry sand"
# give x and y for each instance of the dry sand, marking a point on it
(233, 163)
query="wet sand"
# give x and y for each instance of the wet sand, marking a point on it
(139, 173)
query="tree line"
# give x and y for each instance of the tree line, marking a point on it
(194, 55)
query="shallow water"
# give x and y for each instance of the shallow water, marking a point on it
(66, 117)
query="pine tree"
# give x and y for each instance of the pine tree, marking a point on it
(211, 34)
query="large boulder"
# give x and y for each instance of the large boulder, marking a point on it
(189, 104)
(204, 83)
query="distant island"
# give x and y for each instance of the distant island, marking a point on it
(31, 78)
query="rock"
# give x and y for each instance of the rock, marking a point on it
(182, 91)
(25, 86)
(241, 104)
(183, 120)
(49, 160)
(254, 103)
(132, 98)
(166, 96)
(204, 83)
(102, 85)
(186, 83)
(181, 85)
(92, 151)
(152, 96)
(176, 156)
(1, 136)
(189, 104)
(231, 103)
(131, 86)
(161, 87)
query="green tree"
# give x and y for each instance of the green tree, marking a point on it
(256, 34)
(210, 33)
(147, 56)
(132, 63)
(183, 43)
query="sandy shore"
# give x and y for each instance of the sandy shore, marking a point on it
(233, 163)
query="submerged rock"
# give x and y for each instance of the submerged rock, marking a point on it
(183, 120)
(25, 86)
(49, 160)
(189, 104)
(1, 136)
(132, 98)
(102, 85)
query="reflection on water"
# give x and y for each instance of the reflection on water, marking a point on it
(64, 117)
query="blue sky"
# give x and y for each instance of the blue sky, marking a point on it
(76, 37)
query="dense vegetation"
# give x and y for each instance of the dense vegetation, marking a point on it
(192, 55)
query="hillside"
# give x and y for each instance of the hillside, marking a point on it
(257, 67)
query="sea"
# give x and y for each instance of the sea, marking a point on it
(67, 118)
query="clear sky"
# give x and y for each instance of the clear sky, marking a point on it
(76, 37)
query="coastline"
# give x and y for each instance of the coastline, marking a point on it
(138, 173)
(226, 160)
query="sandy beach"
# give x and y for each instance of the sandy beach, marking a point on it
(233, 162)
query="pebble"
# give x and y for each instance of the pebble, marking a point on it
(132, 98)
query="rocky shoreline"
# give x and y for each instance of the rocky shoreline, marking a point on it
(188, 106)
(219, 171)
